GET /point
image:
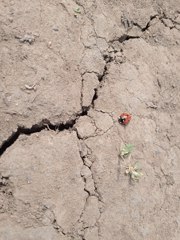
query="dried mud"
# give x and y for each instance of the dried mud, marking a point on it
(67, 70)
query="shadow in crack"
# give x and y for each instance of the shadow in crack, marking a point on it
(44, 124)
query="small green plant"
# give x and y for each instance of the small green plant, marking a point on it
(126, 150)
(134, 171)
(77, 10)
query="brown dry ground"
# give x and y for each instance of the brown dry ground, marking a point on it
(64, 78)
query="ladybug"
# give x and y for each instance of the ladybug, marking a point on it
(124, 118)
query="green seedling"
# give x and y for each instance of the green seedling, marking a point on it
(77, 10)
(126, 150)
(134, 171)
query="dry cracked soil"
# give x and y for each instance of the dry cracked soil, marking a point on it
(68, 68)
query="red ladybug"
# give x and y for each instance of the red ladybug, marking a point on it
(124, 118)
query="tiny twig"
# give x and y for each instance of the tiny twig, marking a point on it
(32, 87)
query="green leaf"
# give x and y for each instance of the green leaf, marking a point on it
(134, 172)
(126, 150)
(137, 166)
(78, 10)
(136, 175)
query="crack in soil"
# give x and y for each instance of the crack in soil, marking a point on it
(149, 23)
(123, 38)
(44, 124)
(126, 37)
(101, 77)
(160, 17)
(57, 227)
(95, 194)
(68, 125)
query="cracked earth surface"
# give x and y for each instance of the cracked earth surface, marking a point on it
(67, 70)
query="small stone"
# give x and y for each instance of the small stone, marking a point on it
(28, 38)
(56, 29)
(49, 44)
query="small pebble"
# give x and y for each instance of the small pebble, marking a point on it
(49, 44)
(55, 29)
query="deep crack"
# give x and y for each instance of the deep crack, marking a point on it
(123, 38)
(95, 97)
(149, 23)
(101, 77)
(44, 124)
(126, 37)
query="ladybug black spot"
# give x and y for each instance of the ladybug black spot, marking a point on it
(121, 120)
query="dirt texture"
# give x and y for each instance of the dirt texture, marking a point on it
(67, 70)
